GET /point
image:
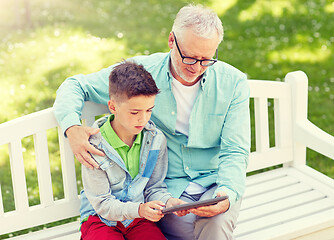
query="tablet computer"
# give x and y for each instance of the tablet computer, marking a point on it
(187, 206)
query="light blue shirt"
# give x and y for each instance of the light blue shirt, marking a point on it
(217, 148)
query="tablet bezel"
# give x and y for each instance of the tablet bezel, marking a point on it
(196, 204)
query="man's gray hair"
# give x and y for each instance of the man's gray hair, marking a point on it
(203, 21)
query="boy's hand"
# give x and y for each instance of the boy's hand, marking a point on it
(151, 210)
(78, 137)
(175, 201)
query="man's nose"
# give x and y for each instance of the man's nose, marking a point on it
(197, 66)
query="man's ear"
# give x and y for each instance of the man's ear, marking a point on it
(111, 106)
(171, 40)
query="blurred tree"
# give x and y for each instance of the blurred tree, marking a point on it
(19, 22)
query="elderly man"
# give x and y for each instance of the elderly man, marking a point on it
(203, 109)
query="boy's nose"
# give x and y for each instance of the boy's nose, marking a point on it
(143, 119)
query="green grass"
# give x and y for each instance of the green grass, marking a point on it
(265, 39)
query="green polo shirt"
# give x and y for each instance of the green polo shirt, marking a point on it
(129, 155)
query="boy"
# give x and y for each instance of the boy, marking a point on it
(134, 166)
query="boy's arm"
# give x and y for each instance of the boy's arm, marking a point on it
(156, 188)
(99, 194)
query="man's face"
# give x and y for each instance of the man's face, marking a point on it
(190, 46)
(131, 114)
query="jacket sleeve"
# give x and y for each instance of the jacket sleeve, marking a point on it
(156, 188)
(99, 194)
(74, 91)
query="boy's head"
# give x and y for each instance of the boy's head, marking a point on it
(128, 80)
(132, 93)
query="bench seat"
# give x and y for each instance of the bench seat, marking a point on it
(286, 203)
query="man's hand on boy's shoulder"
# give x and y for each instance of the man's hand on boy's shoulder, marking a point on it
(78, 137)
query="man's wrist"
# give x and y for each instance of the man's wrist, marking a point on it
(68, 131)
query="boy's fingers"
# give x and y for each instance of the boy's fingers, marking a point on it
(158, 205)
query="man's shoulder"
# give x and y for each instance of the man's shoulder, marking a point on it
(224, 68)
(151, 61)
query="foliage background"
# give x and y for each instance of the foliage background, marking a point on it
(43, 42)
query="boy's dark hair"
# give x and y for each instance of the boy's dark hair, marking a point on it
(130, 79)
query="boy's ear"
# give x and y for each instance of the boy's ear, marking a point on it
(111, 106)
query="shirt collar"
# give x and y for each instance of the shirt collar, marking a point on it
(112, 137)
(170, 76)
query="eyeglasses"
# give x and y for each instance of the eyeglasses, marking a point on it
(192, 61)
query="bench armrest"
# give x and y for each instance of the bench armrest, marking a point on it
(314, 138)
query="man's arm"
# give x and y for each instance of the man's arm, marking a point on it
(68, 105)
(234, 153)
(235, 145)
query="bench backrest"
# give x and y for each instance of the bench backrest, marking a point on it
(289, 99)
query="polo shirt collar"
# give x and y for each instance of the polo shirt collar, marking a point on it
(113, 138)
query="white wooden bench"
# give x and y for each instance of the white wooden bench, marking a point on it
(293, 201)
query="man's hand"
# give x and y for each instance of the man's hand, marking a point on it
(212, 210)
(151, 210)
(78, 137)
(175, 201)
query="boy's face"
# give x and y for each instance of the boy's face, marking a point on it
(131, 114)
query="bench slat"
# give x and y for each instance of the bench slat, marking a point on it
(274, 156)
(43, 168)
(261, 124)
(283, 124)
(68, 231)
(1, 203)
(27, 125)
(18, 176)
(314, 179)
(68, 167)
(270, 186)
(255, 200)
(265, 176)
(39, 215)
(268, 89)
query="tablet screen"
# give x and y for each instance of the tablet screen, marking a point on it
(201, 203)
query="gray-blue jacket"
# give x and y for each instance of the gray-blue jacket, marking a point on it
(110, 192)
